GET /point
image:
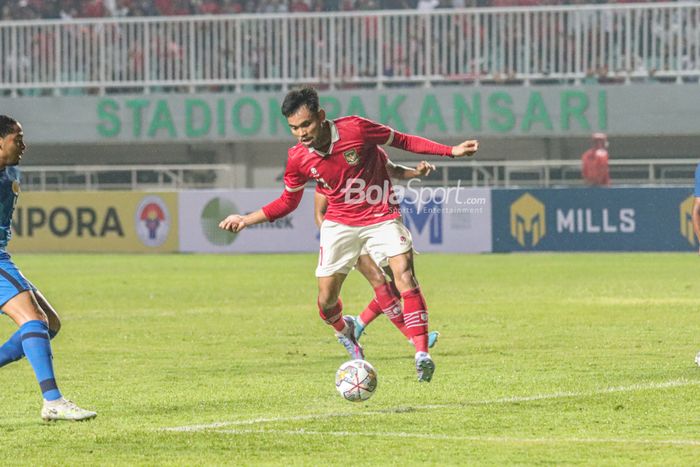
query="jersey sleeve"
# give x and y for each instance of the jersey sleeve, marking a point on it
(294, 182)
(376, 133)
(294, 179)
(697, 181)
(285, 204)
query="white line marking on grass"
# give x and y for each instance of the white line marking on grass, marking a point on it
(487, 439)
(504, 400)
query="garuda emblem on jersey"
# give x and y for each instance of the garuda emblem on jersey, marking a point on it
(352, 157)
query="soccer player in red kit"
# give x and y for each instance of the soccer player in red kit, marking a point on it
(343, 157)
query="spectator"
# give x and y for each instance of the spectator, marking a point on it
(594, 162)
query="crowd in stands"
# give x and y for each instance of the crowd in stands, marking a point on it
(12, 10)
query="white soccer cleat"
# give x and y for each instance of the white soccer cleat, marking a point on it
(63, 409)
(425, 367)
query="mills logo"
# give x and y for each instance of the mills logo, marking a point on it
(527, 220)
(686, 208)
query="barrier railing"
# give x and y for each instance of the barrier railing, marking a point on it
(369, 48)
(540, 173)
(127, 177)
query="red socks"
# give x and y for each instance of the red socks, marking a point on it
(371, 312)
(334, 316)
(415, 316)
(389, 300)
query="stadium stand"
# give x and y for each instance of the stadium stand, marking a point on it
(12, 10)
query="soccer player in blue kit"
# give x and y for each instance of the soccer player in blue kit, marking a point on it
(696, 222)
(37, 320)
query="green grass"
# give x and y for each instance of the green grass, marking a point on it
(152, 342)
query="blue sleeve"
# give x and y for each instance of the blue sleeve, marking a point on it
(697, 181)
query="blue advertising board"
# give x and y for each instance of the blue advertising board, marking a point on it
(593, 219)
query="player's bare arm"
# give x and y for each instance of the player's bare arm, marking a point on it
(320, 208)
(696, 219)
(236, 222)
(467, 148)
(400, 172)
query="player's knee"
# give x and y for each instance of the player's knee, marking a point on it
(405, 280)
(376, 279)
(54, 327)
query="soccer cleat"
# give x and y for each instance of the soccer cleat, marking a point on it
(432, 339)
(63, 409)
(349, 340)
(359, 329)
(425, 367)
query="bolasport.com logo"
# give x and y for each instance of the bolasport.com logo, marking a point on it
(152, 221)
(414, 198)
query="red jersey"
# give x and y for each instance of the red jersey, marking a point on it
(352, 175)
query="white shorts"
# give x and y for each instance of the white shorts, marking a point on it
(341, 244)
(379, 260)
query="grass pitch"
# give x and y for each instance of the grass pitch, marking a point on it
(212, 360)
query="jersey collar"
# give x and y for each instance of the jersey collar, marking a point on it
(335, 136)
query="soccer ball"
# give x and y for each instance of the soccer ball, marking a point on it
(356, 380)
(697, 359)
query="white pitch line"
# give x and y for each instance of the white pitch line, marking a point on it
(488, 439)
(504, 400)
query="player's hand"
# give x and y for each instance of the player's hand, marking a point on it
(233, 223)
(467, 148)
(424, 168)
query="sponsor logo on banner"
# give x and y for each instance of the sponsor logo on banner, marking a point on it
(152, 221)
(214, 212)
(686, 216)
(527, 220)
(418, 216)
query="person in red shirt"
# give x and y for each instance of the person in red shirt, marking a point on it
(594, 162)
(343, 157)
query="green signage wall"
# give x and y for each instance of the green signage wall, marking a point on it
(623, 110)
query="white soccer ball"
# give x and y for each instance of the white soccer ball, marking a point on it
(356, 380)
(697, 359)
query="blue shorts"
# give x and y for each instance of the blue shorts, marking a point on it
(12, 281)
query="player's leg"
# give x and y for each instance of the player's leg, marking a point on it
(12, 350)
(415, 311)
(24, 310)
(339, 250)
(393, 240)
(54, 321)
(433, 336)
(384, 301)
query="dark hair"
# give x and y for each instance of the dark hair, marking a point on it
(7, 125)
(298, 98)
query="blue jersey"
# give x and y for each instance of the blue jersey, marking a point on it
(697, 181)
(9, 192)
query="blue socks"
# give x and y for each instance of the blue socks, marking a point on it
(37, 348)
(12, 350)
